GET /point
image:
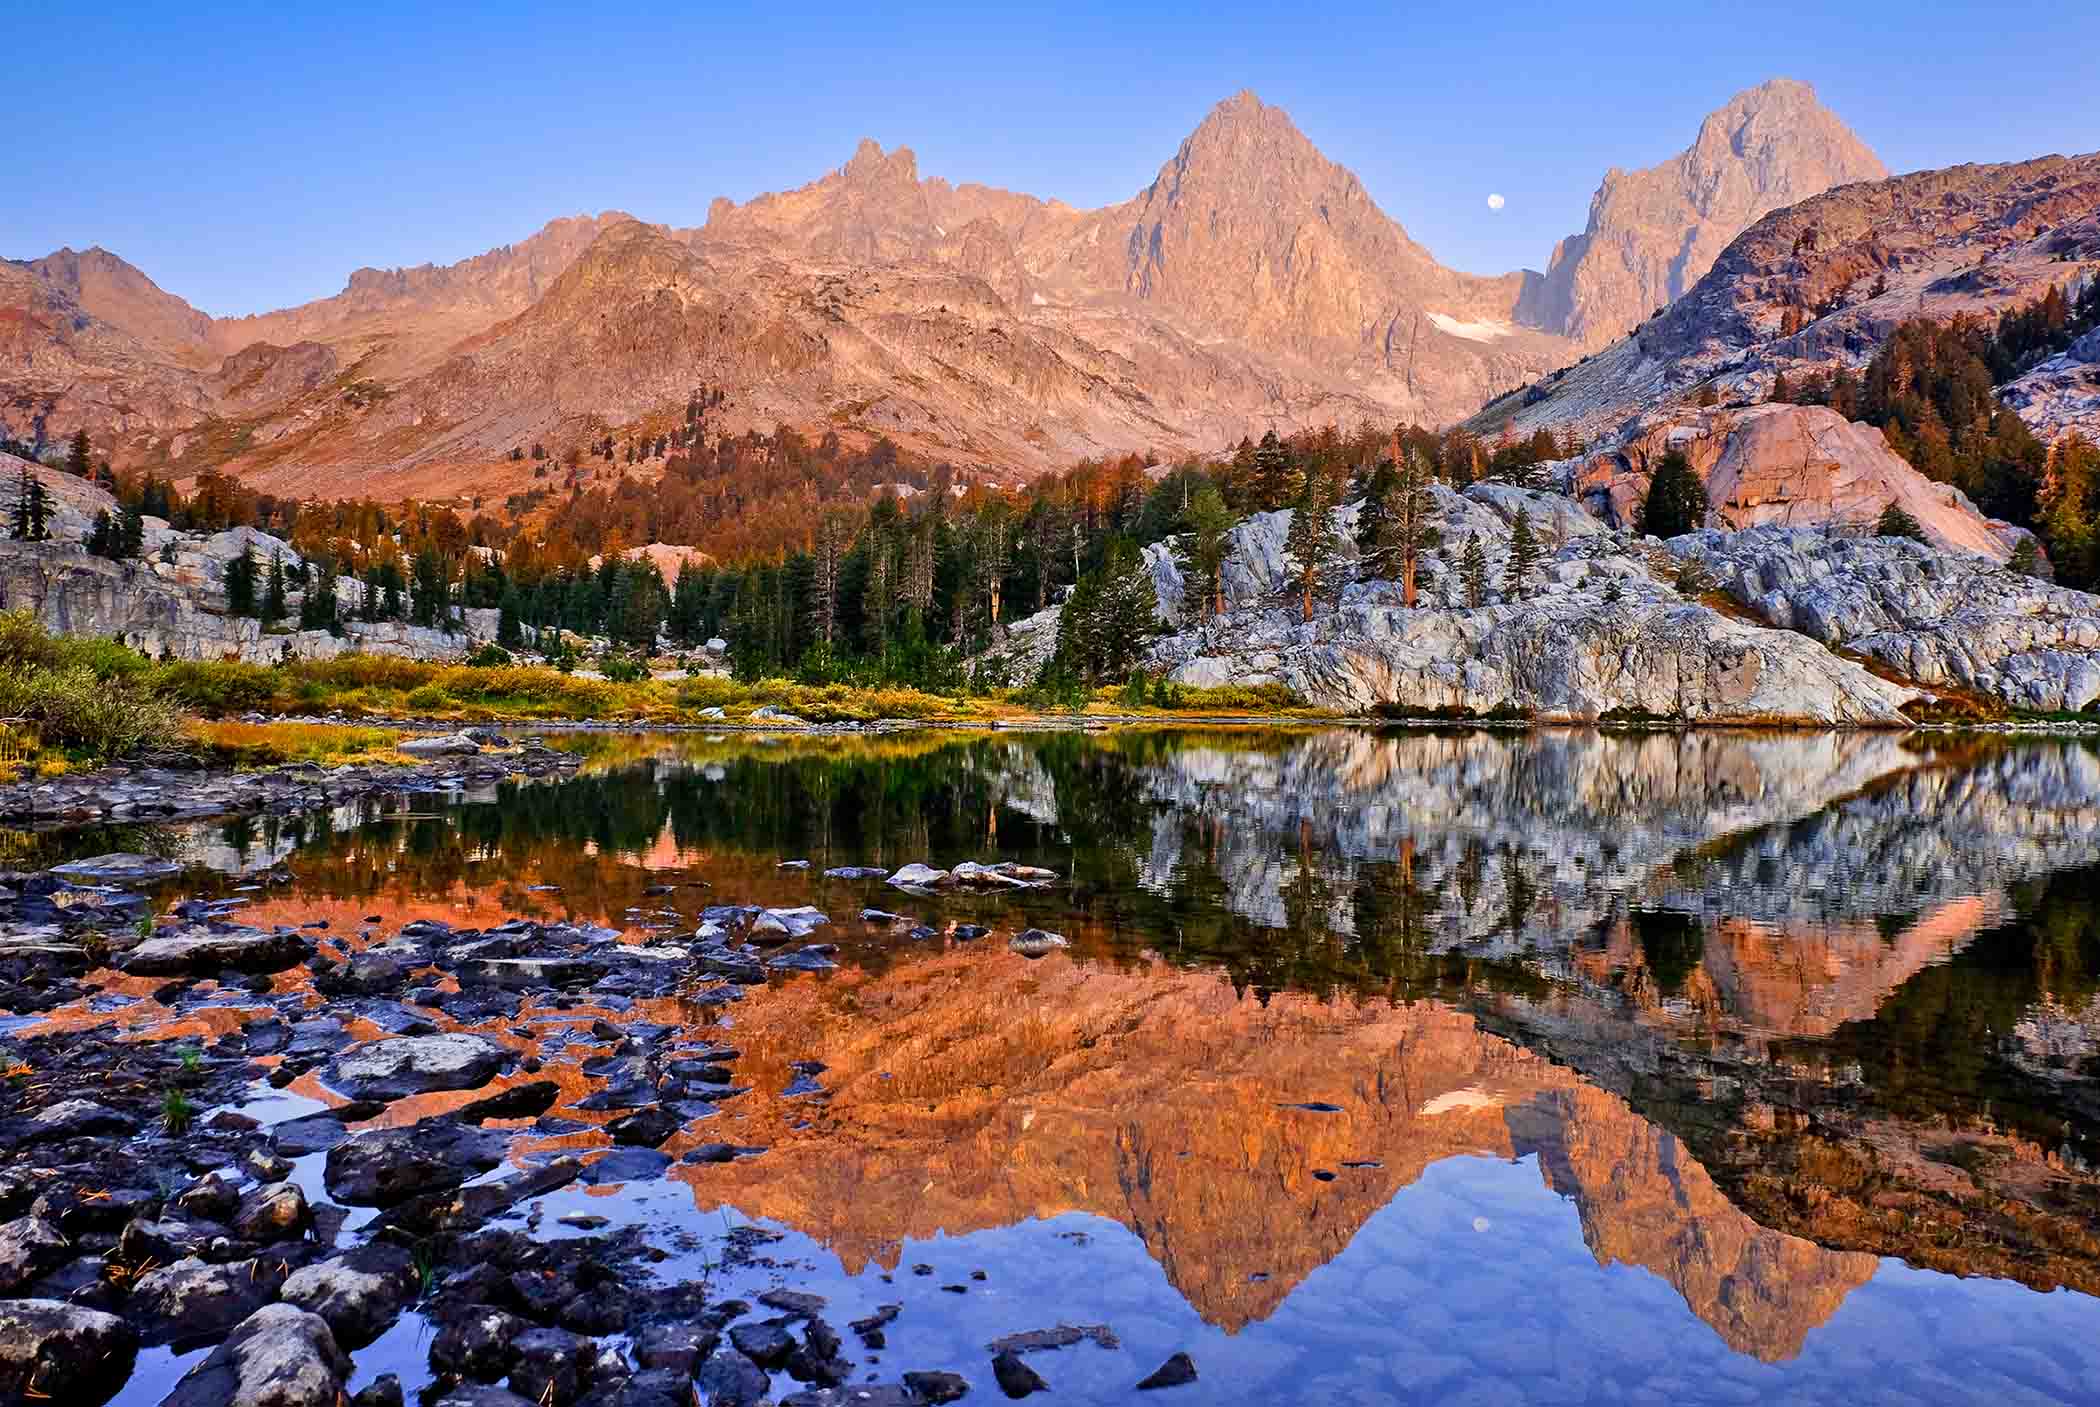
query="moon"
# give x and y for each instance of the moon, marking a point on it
(1495, 201)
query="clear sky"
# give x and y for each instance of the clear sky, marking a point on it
(250, 157)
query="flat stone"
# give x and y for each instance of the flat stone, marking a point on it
(380, 1167)
(206, 950)
(401, 1066)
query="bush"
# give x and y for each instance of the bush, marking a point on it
(489, 657)
(70, 707)
(621, 667)
(215, 688)
(709, 691)
(1895, 522)
(358, 670)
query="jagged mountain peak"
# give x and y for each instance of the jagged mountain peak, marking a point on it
(1653, 232)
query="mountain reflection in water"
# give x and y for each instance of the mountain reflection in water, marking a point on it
(1762, 1008)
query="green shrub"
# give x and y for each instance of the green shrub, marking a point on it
(489, 657)
(215, 688)
(709, 691)
(69, 707)
(621, 667)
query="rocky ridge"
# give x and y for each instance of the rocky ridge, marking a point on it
(1850, 264)
(1601, 630)
(1652, 234)
(1252, 280)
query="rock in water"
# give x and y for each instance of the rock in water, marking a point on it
(406, 1065)
(212, 949)
(359, 1294)
(278, 1356)
(443, 745)
(1175, 1372)
(380, 1167)
(1015, 1377)
(51, 1350)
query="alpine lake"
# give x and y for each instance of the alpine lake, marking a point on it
(1472, 1066)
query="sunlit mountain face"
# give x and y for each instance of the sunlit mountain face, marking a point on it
(1382, 1067)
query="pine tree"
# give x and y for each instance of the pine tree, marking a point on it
(131, 534)
(77, 463)
(241, 575)
(1473, 566)
(273, 602)
(101, 538)
(317, 608)
(509, 633)
(1311, 540)
(1676, 501)
(427, 591)
(1205, 543)
(1523, 553)
(1894, 522)
(1275, 477)
(1408, 512)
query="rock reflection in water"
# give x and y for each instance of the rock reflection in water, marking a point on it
(1762, 1008)
(979, 1090)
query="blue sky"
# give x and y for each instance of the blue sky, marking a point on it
(250, 157)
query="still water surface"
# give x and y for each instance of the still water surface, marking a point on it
(1700, 1068)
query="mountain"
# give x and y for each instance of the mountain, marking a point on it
(1825, 281)
(1653, 233)
(1252, 283)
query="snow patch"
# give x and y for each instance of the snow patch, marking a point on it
(1471, 331)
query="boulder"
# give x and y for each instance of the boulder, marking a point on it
(1789, 466)
(443, 745)
(206, 948)
(405, 1065)
(359, 1294)
(380, 1167)
(191, 1301)
(30, 1247)
(279, 1356)
(54, 1351)
(1942, 619)
(272, 1213)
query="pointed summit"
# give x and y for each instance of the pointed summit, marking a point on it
(1652, 234)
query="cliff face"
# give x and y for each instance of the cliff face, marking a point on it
(1789, 466)
(74, 593)
(1652, 234)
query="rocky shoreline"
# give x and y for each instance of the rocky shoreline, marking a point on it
(180, 787)
(144, 1210)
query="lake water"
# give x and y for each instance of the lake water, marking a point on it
(1469, 1067)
